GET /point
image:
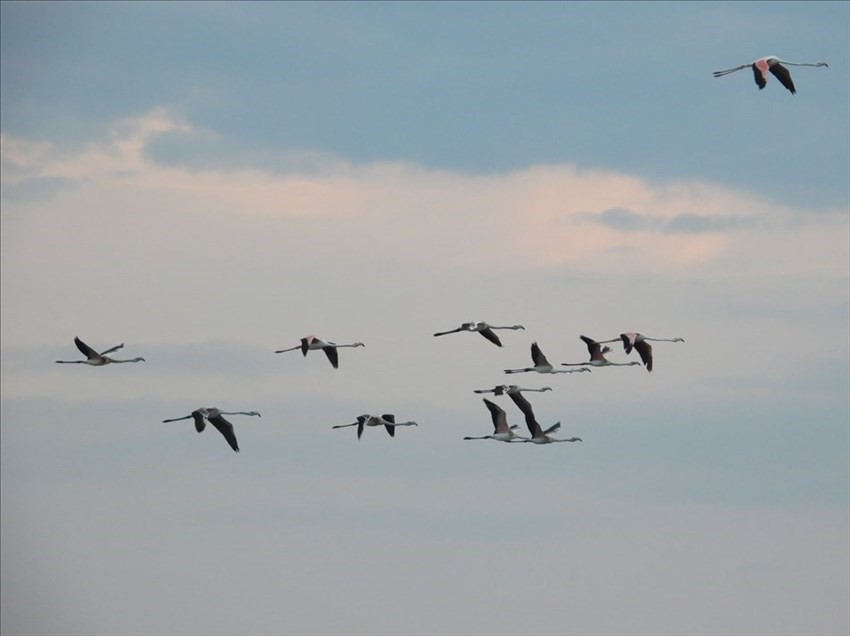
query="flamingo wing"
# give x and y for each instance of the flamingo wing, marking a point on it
(628, 341)
(758, 75)
(332, 355)
(593, 347)
(552, 429)
(112, 349)
(644, 350)
(537, 355)
(784, 76)
(491, 336)
(200, 425)
(525, 406)
(389, 417)
(500, 420)
(86, 350)
(225, 428)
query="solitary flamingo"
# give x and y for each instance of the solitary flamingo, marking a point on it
(773, 64)
(541, 364)
(502, 389)
(538, 435)
(311, 343)
(638, 342)
(387, 420)
(483, 328)
(501, 431)
(597, 358)
(215, 417)
(94, 358)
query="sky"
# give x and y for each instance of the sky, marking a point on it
(210, 182)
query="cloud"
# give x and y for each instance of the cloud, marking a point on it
(531, 216)
(625, 220)
(689, 223)
(35, 188)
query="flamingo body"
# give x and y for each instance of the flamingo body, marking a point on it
(773, 65)
(501, 431)
(502, 389)
(541, 364)
(387, 420)
(640, 343)
(538, 435)
(313, 343)
(483, 328)
(215, 417)
(95, 359)
(597, 356)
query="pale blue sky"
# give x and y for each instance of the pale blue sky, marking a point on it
(209, 182)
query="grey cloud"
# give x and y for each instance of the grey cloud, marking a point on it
(199, 151)
(625, 220)
(689, 223)
(35, 188)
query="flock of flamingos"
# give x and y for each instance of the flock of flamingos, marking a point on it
(501, 430)
(632, 341)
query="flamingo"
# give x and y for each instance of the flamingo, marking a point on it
(387, 420)
(638, 342)
(483, 328)
(541, 364)
(538, 435)
(773, 64)
(501, 431)
(216, 418)
(311, 343)
(597, 357)
(501, 389)
(94, 358)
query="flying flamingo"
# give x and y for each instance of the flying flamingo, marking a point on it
(216, 418)
(541, 364)
(597, 358)
(94, 358)
(538, 435)
(773, 64)
(311, 343)
(501, 431)
(502, 389)
(638, 342)
(387, 420)
(483, 328)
